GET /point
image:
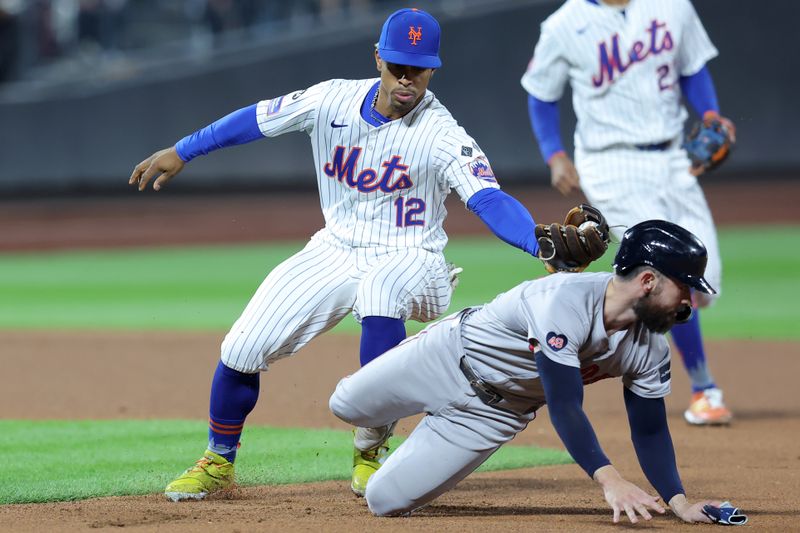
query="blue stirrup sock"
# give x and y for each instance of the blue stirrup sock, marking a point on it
(379, 334)
(689, 340)
(233, 396)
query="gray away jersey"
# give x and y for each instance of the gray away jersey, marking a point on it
(381, 185)
(561, 315)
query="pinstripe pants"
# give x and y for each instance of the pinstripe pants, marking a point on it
(313, 290)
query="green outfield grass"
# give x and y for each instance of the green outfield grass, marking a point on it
(69, 460)
(205, 288)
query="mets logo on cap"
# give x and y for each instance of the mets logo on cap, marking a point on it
(410, 37)
(414, 35)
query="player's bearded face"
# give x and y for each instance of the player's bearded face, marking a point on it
(402, 87)
(659, 310)
(654, 316)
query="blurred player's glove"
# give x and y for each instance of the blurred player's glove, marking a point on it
(571, 246)
(710, 142)
(725, 514)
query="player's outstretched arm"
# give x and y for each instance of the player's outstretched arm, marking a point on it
(236, 128)
(563, 389)
(653, 445)
(624, 496)
(162, 165)
(506, 217)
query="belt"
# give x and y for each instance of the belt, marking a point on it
(658, 147)
(483, 390)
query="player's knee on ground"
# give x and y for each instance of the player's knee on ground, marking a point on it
(385, 499)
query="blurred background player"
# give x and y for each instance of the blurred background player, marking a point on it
(387, 154)
(628, 64)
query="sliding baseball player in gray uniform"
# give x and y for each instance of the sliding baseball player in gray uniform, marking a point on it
(482, 373)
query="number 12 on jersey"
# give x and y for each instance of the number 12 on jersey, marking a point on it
(407, 210)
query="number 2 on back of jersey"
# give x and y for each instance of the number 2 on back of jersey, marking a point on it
(407, 210)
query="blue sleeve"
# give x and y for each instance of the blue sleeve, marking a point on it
(563, 390)
(506, 217)
(653, 443)
(698, 89)
(239, 127)
(546, 126)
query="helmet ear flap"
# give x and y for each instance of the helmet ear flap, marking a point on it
(684, 314)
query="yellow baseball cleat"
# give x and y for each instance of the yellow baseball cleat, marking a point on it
(210, 473)
(364, 465)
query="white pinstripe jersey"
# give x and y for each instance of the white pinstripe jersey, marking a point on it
(562, 315)
(623, 66)
(385, 185)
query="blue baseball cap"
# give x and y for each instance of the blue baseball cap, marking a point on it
(410, 37)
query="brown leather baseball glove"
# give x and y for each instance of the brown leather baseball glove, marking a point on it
(573, 245)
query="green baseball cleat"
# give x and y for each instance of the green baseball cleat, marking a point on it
(210, 473)
(364, 465)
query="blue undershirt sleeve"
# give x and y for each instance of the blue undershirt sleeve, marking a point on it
(239, 127)
(563, 390)
(698, 89)
(546, 126)
(653, 443)
(506, 217)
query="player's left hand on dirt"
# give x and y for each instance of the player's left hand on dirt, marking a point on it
(725, 514)
(710, 142)
(573, 245)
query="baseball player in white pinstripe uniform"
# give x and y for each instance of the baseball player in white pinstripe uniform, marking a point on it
(387, 153)
(629, 63)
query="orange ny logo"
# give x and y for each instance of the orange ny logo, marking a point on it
(414, 35)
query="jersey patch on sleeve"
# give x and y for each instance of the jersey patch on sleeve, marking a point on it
(664, 373)
(556, 341)
(466, 151)
(274, 105)
(481, 169)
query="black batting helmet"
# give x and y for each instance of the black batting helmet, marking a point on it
(667, 247)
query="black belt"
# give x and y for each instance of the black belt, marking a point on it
(658, 147)
(483, 390)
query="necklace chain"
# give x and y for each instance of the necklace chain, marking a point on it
(375, 98)
(374, 113)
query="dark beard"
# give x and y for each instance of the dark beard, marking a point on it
(654, 318)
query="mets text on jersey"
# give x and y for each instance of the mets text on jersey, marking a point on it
(613, 62)
(367, 180)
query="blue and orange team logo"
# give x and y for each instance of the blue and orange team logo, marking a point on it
(414, 35)
(556, 341)
(481, 169)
